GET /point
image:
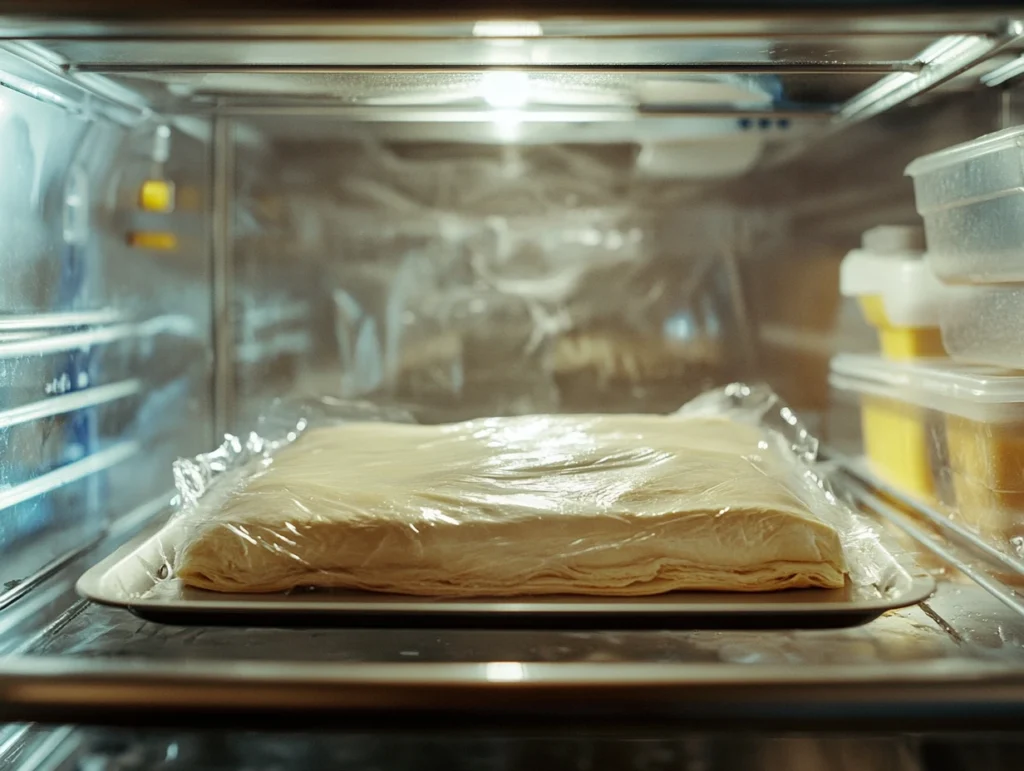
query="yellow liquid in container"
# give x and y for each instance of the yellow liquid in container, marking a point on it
(900, 342)
(946, 433)
(897, 437)
(987, 465)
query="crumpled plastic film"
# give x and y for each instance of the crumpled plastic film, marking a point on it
(333, 494)
(429, 311)
(451, 266)
(760, 405)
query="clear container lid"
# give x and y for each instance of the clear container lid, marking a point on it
(986, 394)
(966, 151)
(968, 174)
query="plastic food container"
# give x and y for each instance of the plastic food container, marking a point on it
(896, 290)
(945, 432)
(985, 325)
(971, 197)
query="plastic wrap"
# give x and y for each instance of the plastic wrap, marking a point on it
(721, 495)
(493, 284)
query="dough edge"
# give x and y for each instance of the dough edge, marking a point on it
(262, 569)
(768, 578)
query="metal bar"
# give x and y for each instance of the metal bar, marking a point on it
(712, 111)
(11, 736)
(116, 94)
(417, 113)
(222, 167)
(943, 61)
(35, 73)
(34, 344)
(121, 527)
(1009, 71)
(381, 35)
(955, 530)
(782, 19)
(32, 321)
(65, 342)
(51, 751)
(906, 693)
(25, 585)
(424, 115)
(44, 599)
(998, 590)
(65, 475)
(7, 337)
(21, 623)
(70, 402)
(744, 68)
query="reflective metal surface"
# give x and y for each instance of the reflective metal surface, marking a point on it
(864, 66)
(310, 18)
(944, 60)
(905, 669)
(597, 749)
(222, 192)
(864, 479)
(88, 360)
(338, 144)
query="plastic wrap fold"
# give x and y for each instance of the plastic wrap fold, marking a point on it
(722, 495)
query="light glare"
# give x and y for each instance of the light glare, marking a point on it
(507, 29)
(505, 89)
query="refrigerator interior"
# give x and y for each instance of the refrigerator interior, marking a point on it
(467, 217)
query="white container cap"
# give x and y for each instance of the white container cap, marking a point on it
(985, 394)
(890, 264)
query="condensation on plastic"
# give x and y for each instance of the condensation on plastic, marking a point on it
(781, 449)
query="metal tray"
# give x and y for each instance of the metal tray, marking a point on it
(135, 577)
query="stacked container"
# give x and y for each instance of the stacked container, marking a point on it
(900, 297)
(972, 200)
(961, 426)
(949, 430)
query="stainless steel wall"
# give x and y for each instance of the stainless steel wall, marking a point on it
(487, 278)
(104, 347)
(471, 279)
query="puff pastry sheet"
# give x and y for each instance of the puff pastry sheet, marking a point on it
(617, 505)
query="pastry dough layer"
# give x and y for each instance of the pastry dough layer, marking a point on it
(618, 505)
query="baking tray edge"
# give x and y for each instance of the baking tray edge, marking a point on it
(790, 609)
